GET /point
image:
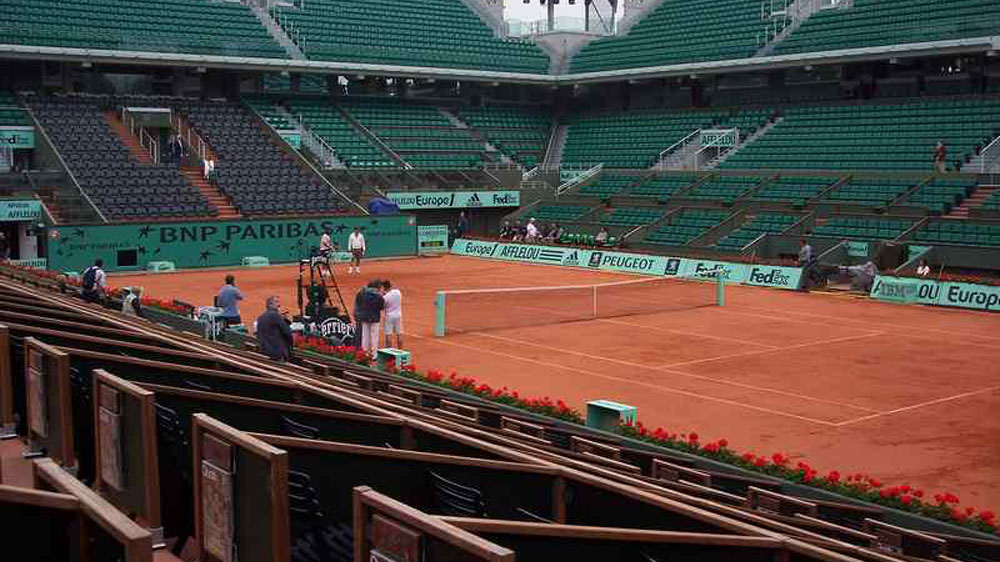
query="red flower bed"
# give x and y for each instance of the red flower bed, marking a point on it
(466, 385)
(943, 507)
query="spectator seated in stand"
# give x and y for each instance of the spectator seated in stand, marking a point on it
(506, 231)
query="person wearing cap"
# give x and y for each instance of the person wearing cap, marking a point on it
(531, 231)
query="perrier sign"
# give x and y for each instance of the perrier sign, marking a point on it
(221, 243)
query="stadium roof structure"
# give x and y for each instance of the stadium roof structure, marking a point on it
(986, 44)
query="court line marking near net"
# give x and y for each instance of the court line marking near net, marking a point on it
(636, 383)
(877, 324)
(775, 350)
(682, 332)
(920, 405)
(679, 373)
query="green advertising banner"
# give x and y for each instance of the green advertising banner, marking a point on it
(220, 243)
(432, 239)
(17, 137)
(416, 200)
(293, 138)
(758, 275)
(21, 210)
(941, 293)
(857, 249)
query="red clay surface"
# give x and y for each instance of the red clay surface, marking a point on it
(907, 394)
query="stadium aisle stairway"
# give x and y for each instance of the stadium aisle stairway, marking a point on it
(253, 170)
(352, 148)
(118, 184)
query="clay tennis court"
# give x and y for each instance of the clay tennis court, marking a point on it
(907, 394)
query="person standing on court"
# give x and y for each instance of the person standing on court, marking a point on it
(368, 307)
(393, 314)
(228, 300)
(274, 334)
(356, 246)
(463, 225)
(325, 244)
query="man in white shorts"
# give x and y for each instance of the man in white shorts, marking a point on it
(393, 314)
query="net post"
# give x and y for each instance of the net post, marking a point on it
(439, 316)
(720, 289)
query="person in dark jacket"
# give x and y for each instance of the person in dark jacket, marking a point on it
(368, 307)
(274, 335)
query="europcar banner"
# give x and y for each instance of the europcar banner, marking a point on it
(604, 260)
(941, 293)
(417, 200)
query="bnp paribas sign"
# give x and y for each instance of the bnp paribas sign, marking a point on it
(417, 200)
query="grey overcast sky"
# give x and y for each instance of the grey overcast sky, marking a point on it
(518, 10)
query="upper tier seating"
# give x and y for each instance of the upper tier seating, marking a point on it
(752, 229)
(253, 172)
(560, 213)
(726, 189)
(608, 185)
(435, 33)
(630, 139)
(11, 112)
(662, 187)
(631, 216)
(940, 196)
(352, 148)
(308, 83)
(519, 132)
(959, 232)
(680, 31)
(876, 137)
(863, 228)
(871, 192)
(120, 187)
(165, 26)
(420, 134)
(992, 203)
(686, 225)
(796, 190)
(870, 23)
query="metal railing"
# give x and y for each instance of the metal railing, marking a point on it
(146, 140)
(989, 156)
(675, 147)
(578, 180)
(188, 133)
(718, 143)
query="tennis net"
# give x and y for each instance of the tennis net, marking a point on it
(476, 310)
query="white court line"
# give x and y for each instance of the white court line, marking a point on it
(684, 332)
(729, 310)
(840, 319)
(920, 405)
(637, 383)
(775, 350)
(680, 373)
